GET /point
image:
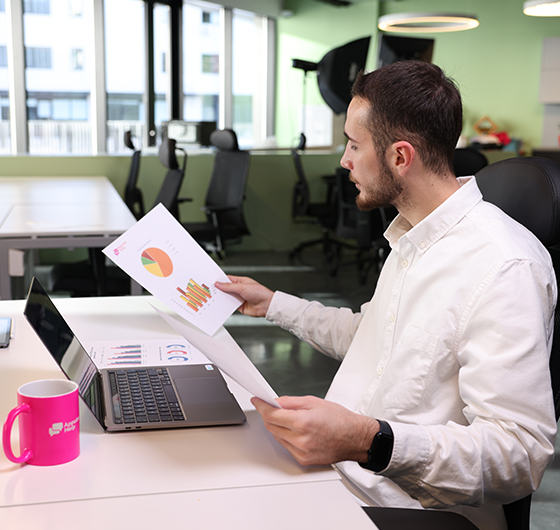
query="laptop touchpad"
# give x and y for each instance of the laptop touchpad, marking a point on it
(199, 390)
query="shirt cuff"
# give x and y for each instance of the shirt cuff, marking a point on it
(412, 448)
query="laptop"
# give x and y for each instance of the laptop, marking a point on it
(133, 398)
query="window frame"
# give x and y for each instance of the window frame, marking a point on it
(98, 111)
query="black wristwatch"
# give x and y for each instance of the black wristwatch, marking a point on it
(379, 454)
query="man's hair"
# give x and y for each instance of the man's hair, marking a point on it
(413, 101)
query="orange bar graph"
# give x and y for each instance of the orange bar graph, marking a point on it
(195, 295)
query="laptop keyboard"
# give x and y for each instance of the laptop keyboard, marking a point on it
(143, 396)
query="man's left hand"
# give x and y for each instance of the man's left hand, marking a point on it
(318, 432)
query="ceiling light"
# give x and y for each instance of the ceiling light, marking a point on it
(426, 22)
(541, 8)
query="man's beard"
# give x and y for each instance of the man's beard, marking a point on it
(382, 193)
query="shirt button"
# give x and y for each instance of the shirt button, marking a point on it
(404, 263)
(380, 371)
(391, 318)
(422, 244)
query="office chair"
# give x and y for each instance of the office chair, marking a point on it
(223, 205)
(468, 161)
(303, 210)
(93, 276)
(528, 190)
(366, 229)
(132, 194)
(168, 194)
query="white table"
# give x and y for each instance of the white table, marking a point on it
(217, 477)
(58, 212)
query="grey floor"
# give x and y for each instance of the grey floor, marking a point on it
(294, 368)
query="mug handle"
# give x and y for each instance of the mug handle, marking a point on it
(7, 433)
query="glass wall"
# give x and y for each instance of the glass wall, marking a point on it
(57, 76)
(246, 70)
(62, 91)
(5, 144)
(125, 71)
(201, 61)
(162, 57)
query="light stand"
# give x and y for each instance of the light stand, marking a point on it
(306, 66)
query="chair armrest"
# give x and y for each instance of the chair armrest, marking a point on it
(184, 199)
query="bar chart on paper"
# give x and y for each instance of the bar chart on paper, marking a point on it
(195, 295)
(151, 352)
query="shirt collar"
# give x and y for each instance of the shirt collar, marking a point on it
(440, 221)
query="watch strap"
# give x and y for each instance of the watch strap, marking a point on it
(381, 449)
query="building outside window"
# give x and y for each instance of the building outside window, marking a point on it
(77, 59)
(59, 73)
(36, 6)
(210, 64)
(246, 70)
(124, 72)
(201, 38)
(58, 89)
(5, 143)
(38, 58)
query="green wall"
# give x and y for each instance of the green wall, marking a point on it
(495, 65)
(268, 197)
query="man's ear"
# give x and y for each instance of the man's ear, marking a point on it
(401, 156)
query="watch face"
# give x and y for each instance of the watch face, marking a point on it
(381, 450)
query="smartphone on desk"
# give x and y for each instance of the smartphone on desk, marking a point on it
(5, 331)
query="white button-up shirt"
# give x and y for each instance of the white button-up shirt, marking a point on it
(453, 352)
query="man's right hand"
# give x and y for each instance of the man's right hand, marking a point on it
(256, 297)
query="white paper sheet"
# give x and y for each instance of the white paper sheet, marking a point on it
(226, 354)
(164, 259)
(148, 352)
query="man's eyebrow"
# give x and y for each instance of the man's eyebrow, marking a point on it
(348, 137)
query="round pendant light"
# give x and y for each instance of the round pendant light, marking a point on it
(426, 22)
(541, 8)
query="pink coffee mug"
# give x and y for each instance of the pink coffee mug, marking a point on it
(49, 423)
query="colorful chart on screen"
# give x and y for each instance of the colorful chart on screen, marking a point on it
(157, 262)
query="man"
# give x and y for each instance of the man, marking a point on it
(443, 398)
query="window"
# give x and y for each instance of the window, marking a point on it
(57, 80)
(210, 64)
(53, 107)
(75, 8)
(77, 59)
(124, 72)
(201, 39)
(245, 74)
(38, 58)
(41, 7)
(5, 143)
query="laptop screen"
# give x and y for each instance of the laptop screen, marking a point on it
(65, 348)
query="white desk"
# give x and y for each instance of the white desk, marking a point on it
(57, 212)
(218, 477)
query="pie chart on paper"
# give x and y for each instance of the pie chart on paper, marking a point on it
(157, 262)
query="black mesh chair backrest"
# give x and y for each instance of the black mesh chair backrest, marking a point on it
(528, 189)
(467, 162)
(228, 181)
(300, 202)
(169, 191)
(132, 195)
